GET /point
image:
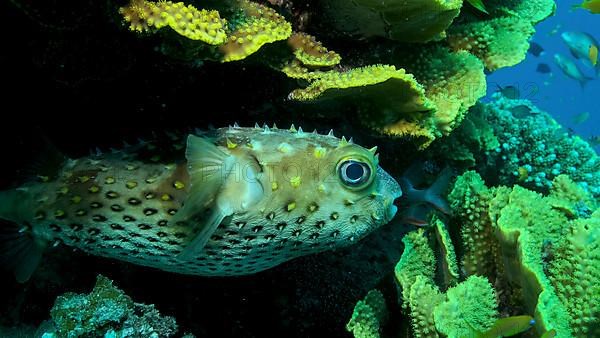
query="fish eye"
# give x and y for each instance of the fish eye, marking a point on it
(354, 173)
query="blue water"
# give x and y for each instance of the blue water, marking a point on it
(555, 93)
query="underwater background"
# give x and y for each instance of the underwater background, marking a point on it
(448, 85)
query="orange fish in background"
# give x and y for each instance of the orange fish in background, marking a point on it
(593, 6)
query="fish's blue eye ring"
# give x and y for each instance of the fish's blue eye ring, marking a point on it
(355, 173)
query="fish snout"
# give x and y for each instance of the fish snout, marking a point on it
(391, 190)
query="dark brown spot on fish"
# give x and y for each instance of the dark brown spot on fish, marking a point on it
(172, 242)
(111, 194)
(216, 237)
(353, 219)
(134, 234)
(134, 201)
(172, 212)
(231, 233)
(93, 231)
(300, 220)
(73, 239)
(296, 232)
(281, 226)
(314, 235)
(150, 211)
(123, 239)
(80, 212)
(40, 215)
(149, 195)
(106, 238)
(180, 235)
(162, 223)
(89, 241)
(175, 252)
(139, 245)
(116, 208)
(320, 224)
(313, 207)
(257, 228)
(335, 233)
(128, 218)
(297, 243)
(334, 216)
(144, 226)
(152, 239)
(115, 226)
(99, 218)
(76, 226)
(55, 227)
(161, 234)
(270, 237)
(240, 224)
(234, 242)
(271, 216)
(96, 205)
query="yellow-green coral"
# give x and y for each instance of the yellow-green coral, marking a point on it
(470, 309)
(502, 39)
(311, 52)
(368, 316)
(539, 249)
(262, 25)
(195, 24)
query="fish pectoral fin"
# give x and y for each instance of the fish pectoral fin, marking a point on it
(195, 246)
(21, 252)
(208, 167)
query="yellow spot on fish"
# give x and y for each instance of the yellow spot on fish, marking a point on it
(593, 54)
(284, 148)
(94, 189)
(523, 174)
(274, 186)
(76, 199)
(83, 179)
(59, 213)
(313, 207)
(335, 216)
(320, 152)
(151, 180)
(165, 197)
(131, 167)
(348, 202)
(250, 145)
(63, 190)
(231, 145)
(321, 188)
(291, 206)
(178, 185)
(295, 181)
(109, 180)
(131, 184)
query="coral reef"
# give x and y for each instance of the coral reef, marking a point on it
(109, 312)
(436, 84)
(522, 145)
(368, 316)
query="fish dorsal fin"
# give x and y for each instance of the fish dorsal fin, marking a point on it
(208, 167)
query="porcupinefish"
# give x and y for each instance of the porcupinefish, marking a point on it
(239, 202)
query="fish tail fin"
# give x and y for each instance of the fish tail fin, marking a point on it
(21, 251)
(434, 194)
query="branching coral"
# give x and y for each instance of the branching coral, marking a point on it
(368, 316)
(533, 237)
(528, 149)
